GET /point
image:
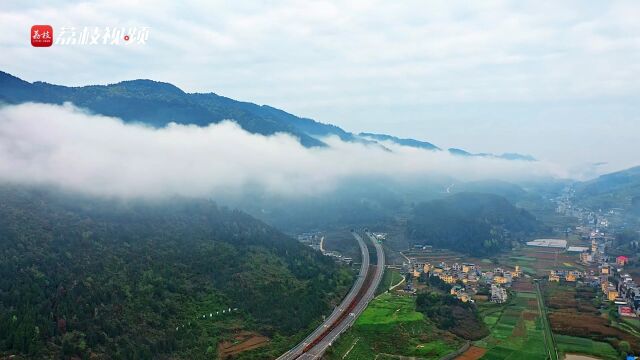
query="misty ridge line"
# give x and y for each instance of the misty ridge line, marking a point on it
(65, 146)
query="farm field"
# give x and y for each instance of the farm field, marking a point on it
(573, 312)
(575, 345)
(473, 353)
(532, 260)
(516, 329)
(576, 321)
(539, 261)
(391, 326)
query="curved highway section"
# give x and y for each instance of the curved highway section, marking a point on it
(314, 345)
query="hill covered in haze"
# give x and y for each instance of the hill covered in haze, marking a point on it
(473, 223)
(620, 189)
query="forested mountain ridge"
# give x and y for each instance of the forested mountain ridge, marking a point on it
(158, 104)
(620, 189)
(474, 223)
(125, 280)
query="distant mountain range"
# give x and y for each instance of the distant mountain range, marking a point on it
(158, 104)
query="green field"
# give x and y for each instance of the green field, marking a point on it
(516, 329)
(570, 344)
(633, 322)
(390, 278)
(391, 326)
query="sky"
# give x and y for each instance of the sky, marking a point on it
(557, 80)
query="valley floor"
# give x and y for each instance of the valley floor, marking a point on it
(528, 326)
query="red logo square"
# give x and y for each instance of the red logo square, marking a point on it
(41, 35)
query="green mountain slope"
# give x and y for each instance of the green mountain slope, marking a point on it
(620, 189)
(158, 104)
(81, 276)
(474, 223)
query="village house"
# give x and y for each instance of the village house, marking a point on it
(586, 257)
(612, 293)
(498, 294)
(468, 268)
(517, 272)
(622, 260)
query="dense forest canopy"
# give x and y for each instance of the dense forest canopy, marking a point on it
(474, 223)
(82, 276)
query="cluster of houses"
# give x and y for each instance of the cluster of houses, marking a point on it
(617, 286)
(566, 275)
(593, 254)
(466, 278)
(622, 290)
(589, 217)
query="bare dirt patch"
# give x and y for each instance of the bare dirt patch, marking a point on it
(523, 285)
(579, 357)
(242, 341)
(473, 353)
(519, 330)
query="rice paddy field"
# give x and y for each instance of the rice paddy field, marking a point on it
(516, 329)
(390, 327)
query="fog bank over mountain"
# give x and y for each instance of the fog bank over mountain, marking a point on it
(67, 147)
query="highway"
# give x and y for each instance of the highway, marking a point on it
(314, 345)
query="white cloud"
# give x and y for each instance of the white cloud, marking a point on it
(66, 147)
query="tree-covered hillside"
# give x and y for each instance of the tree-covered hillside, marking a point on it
(116, 279)
(615, 190)
(158, 104)
(474, 223)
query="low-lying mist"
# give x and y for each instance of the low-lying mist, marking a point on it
(66, 147)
